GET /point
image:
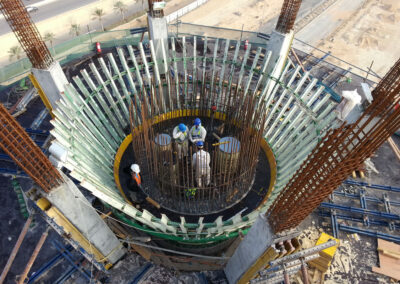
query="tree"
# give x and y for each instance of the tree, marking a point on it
(121, 7)
(16, 52)
(75, 29)
(49, 37)
(99, 14)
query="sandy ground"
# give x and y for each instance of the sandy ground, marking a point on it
(235, 13)
(371, 34)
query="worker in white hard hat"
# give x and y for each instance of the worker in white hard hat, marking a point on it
(180, 134)
(136, 193)
(197, 132)
(201, 165)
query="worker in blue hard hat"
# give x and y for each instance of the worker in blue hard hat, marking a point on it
(197, 132)
(201, 165)
(180, 134)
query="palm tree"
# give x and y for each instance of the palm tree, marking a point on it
(99, 14)
(121, 8)
(49, 37)
(75, 29)
(15, 51)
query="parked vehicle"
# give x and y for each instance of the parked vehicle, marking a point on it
(31, 9)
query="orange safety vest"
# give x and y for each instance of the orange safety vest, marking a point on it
(137, 178)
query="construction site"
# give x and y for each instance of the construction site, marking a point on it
(202, 142)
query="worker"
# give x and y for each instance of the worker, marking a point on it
(180, 134)
(197, 132)
(135, 187)
(201, 165)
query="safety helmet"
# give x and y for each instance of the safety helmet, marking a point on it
(199, 143)
(135, 168)
(182, 127)
(197, 121)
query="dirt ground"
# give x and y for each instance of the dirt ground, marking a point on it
(370, 34)
(235, 13)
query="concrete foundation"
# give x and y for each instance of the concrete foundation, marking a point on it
(70, 201)
(52, 81)
(253, 246)
(158, 31)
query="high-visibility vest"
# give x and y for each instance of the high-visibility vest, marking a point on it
(137, 178)
(194, 132)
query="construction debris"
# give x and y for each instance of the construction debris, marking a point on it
(389, 259)
(324, 261)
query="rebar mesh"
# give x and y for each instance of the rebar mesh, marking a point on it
(26, 32)
(340, 152)
(288, 15)
(187, 183)
(155, 13)
(25, 153)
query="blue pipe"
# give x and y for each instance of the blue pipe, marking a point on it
(370, 233)
(367, 198)
(65, 276)
(375, 186)
(68, 256)
(359, 220)
(360, 210)
(37, 132)
(141, 273)
(47, 266)
(13, 172)
(334, 222)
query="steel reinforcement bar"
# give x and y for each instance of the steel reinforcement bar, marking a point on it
(18, 18)
(25, 153)
(288, 15)
(339, 153)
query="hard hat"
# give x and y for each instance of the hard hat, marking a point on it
(197, 121)
(182, 127)
(135, 168)
(199, 143)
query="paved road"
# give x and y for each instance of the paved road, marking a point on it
(47, 9)
(327, 22)
(305, 8)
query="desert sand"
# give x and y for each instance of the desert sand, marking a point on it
(235, 13)
(372, 33)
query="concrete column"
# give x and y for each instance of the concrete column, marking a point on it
(158, 30)
(52, 81)
(250, 251)
(279, 45)
(70, 201)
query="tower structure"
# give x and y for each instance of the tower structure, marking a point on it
(58, 196)
(48, 76)
(341, 151)
(158, 29)
(281, 128)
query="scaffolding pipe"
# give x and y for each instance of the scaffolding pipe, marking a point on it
(15, 249)
(33, 256)
(304, 272)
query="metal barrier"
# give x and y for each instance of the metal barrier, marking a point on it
(71, 50)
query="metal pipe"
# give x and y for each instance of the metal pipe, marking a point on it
(375, 186)
(15, 249)
(303, 253)
(33, 256)
(286, 278)
(304, 271)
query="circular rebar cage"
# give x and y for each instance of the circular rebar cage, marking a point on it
(198, 181)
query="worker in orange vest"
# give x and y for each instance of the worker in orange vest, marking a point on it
(136, 189)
